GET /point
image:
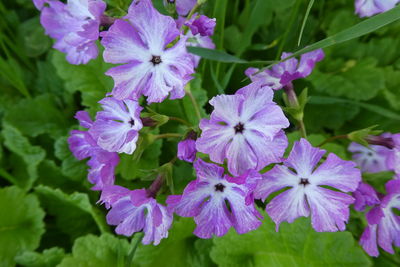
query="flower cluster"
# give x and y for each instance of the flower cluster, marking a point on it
(241, 145)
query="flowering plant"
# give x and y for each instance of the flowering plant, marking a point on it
(194, 132)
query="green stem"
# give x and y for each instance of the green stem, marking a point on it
(194, 102)
(168, 135)
(180, 120)
(129, 261)
(293, 102)
(333, 138)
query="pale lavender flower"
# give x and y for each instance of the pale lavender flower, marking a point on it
(183, 7)
(245, 129)
(365, 195)
(393, 160)
(202, 25)
(187, 148)
(368, 8)
(116, 128)
(284, 73)
(383, 224)
(83, 145)
(305, 194)
(218, 202)
(150, 68)
(75, 26)
(134, 211)
(370, 159)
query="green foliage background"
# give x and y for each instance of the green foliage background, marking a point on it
(49, 215)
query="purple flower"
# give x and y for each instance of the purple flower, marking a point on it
(393, 160)
(150, 68)
(303, 179)
(218, 202)
(83, 145)
(367, 8)
(187, 148)
(365, 195)
(202, 25)
(75, 26)
(133, 211)
(383, 224)
(39, 3)
(245, 129)
(116, 127)
(372, 159)
(284, 73)
(183, 7)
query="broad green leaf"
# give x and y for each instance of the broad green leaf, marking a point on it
(324, 100)
(37, 116)
(357, 80)
(88, 79)
(98, 251)
(74, 213)
(187, 249)
(70, 166)
(392, 90)
(33, 37)
(295, 244)
(30, 155)
(48, 258)
(21, 223)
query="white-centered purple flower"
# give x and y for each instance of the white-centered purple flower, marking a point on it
(218, 202)
(365, 195)
(116, 128)
(134, 211)
(370, 159)
(245, 129)
(394, 157)
(187, 148)
(368, 8)
(306, 194)
(284, 73)
(383, 224)
(75, 26)
(151, 66)
(83, 145)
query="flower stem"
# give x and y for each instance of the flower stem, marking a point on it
(194, 102)
(180, 120)
(129, 261)
(333, 138)
(168, 135)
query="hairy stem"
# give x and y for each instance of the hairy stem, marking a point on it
(333, 138)
(168, 135)
(180, 120)
(195, 105)
(293, 102)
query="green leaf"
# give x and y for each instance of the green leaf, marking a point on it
(215, 55)
(187, 250)
(392, 90)
(295, 244)
(21, 223)
(37, 116)
(49, 258)
(98, 251)
(70, 166)
(357, 80)
(33, 37)
(89, 79)
(200, 95)
(324, 100)
(30, 155)
(74, 213)
(303, 25)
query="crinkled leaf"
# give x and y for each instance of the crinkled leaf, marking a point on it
(98, 251)
(48, 258)
(37, 116)
(21, 223)
(31, 155)
(295, 244)
(74, 213)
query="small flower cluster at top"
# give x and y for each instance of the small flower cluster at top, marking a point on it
(245, 133)
(368, 8)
